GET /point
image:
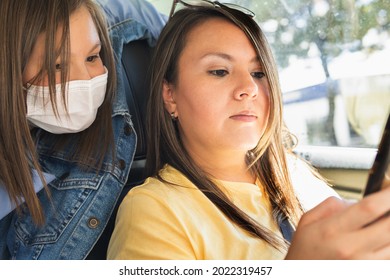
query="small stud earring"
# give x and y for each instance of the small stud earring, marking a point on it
(173, 117)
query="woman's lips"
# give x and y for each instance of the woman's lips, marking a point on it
(244, 117)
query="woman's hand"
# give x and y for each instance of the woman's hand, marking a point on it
(337, 229)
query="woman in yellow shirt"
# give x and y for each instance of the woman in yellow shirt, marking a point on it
(223, 183)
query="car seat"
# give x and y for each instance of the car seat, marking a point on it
(135, 64)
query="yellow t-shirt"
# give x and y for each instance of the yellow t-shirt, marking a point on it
(160, 221)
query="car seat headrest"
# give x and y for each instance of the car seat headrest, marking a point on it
(135, 61)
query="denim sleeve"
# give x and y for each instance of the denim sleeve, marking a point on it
(5, 202)
(142, 11)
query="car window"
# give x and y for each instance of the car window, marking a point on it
(336, 86)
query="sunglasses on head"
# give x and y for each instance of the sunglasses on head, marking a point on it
(197, 3)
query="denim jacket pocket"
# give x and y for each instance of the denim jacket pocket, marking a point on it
(68, 197)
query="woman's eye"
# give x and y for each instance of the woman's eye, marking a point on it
(258, 75)
(219, 72)
(92, 58)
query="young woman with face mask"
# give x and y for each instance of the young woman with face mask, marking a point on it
(67, 139)
(223, 182)
(58, 78)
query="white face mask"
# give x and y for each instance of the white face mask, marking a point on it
(83, 98)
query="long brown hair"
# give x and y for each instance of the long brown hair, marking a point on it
(20, 24)
(267, 161)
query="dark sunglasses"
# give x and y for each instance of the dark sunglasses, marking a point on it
(196, 3)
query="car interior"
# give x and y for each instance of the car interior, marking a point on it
(332, 162)
(347, 162)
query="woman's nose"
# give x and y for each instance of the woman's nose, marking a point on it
(246, 87)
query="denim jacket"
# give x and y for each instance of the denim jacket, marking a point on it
(82, 202)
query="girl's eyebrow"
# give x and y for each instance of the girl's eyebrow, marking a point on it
(218, 54)
(97, 45)
(226, 56)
